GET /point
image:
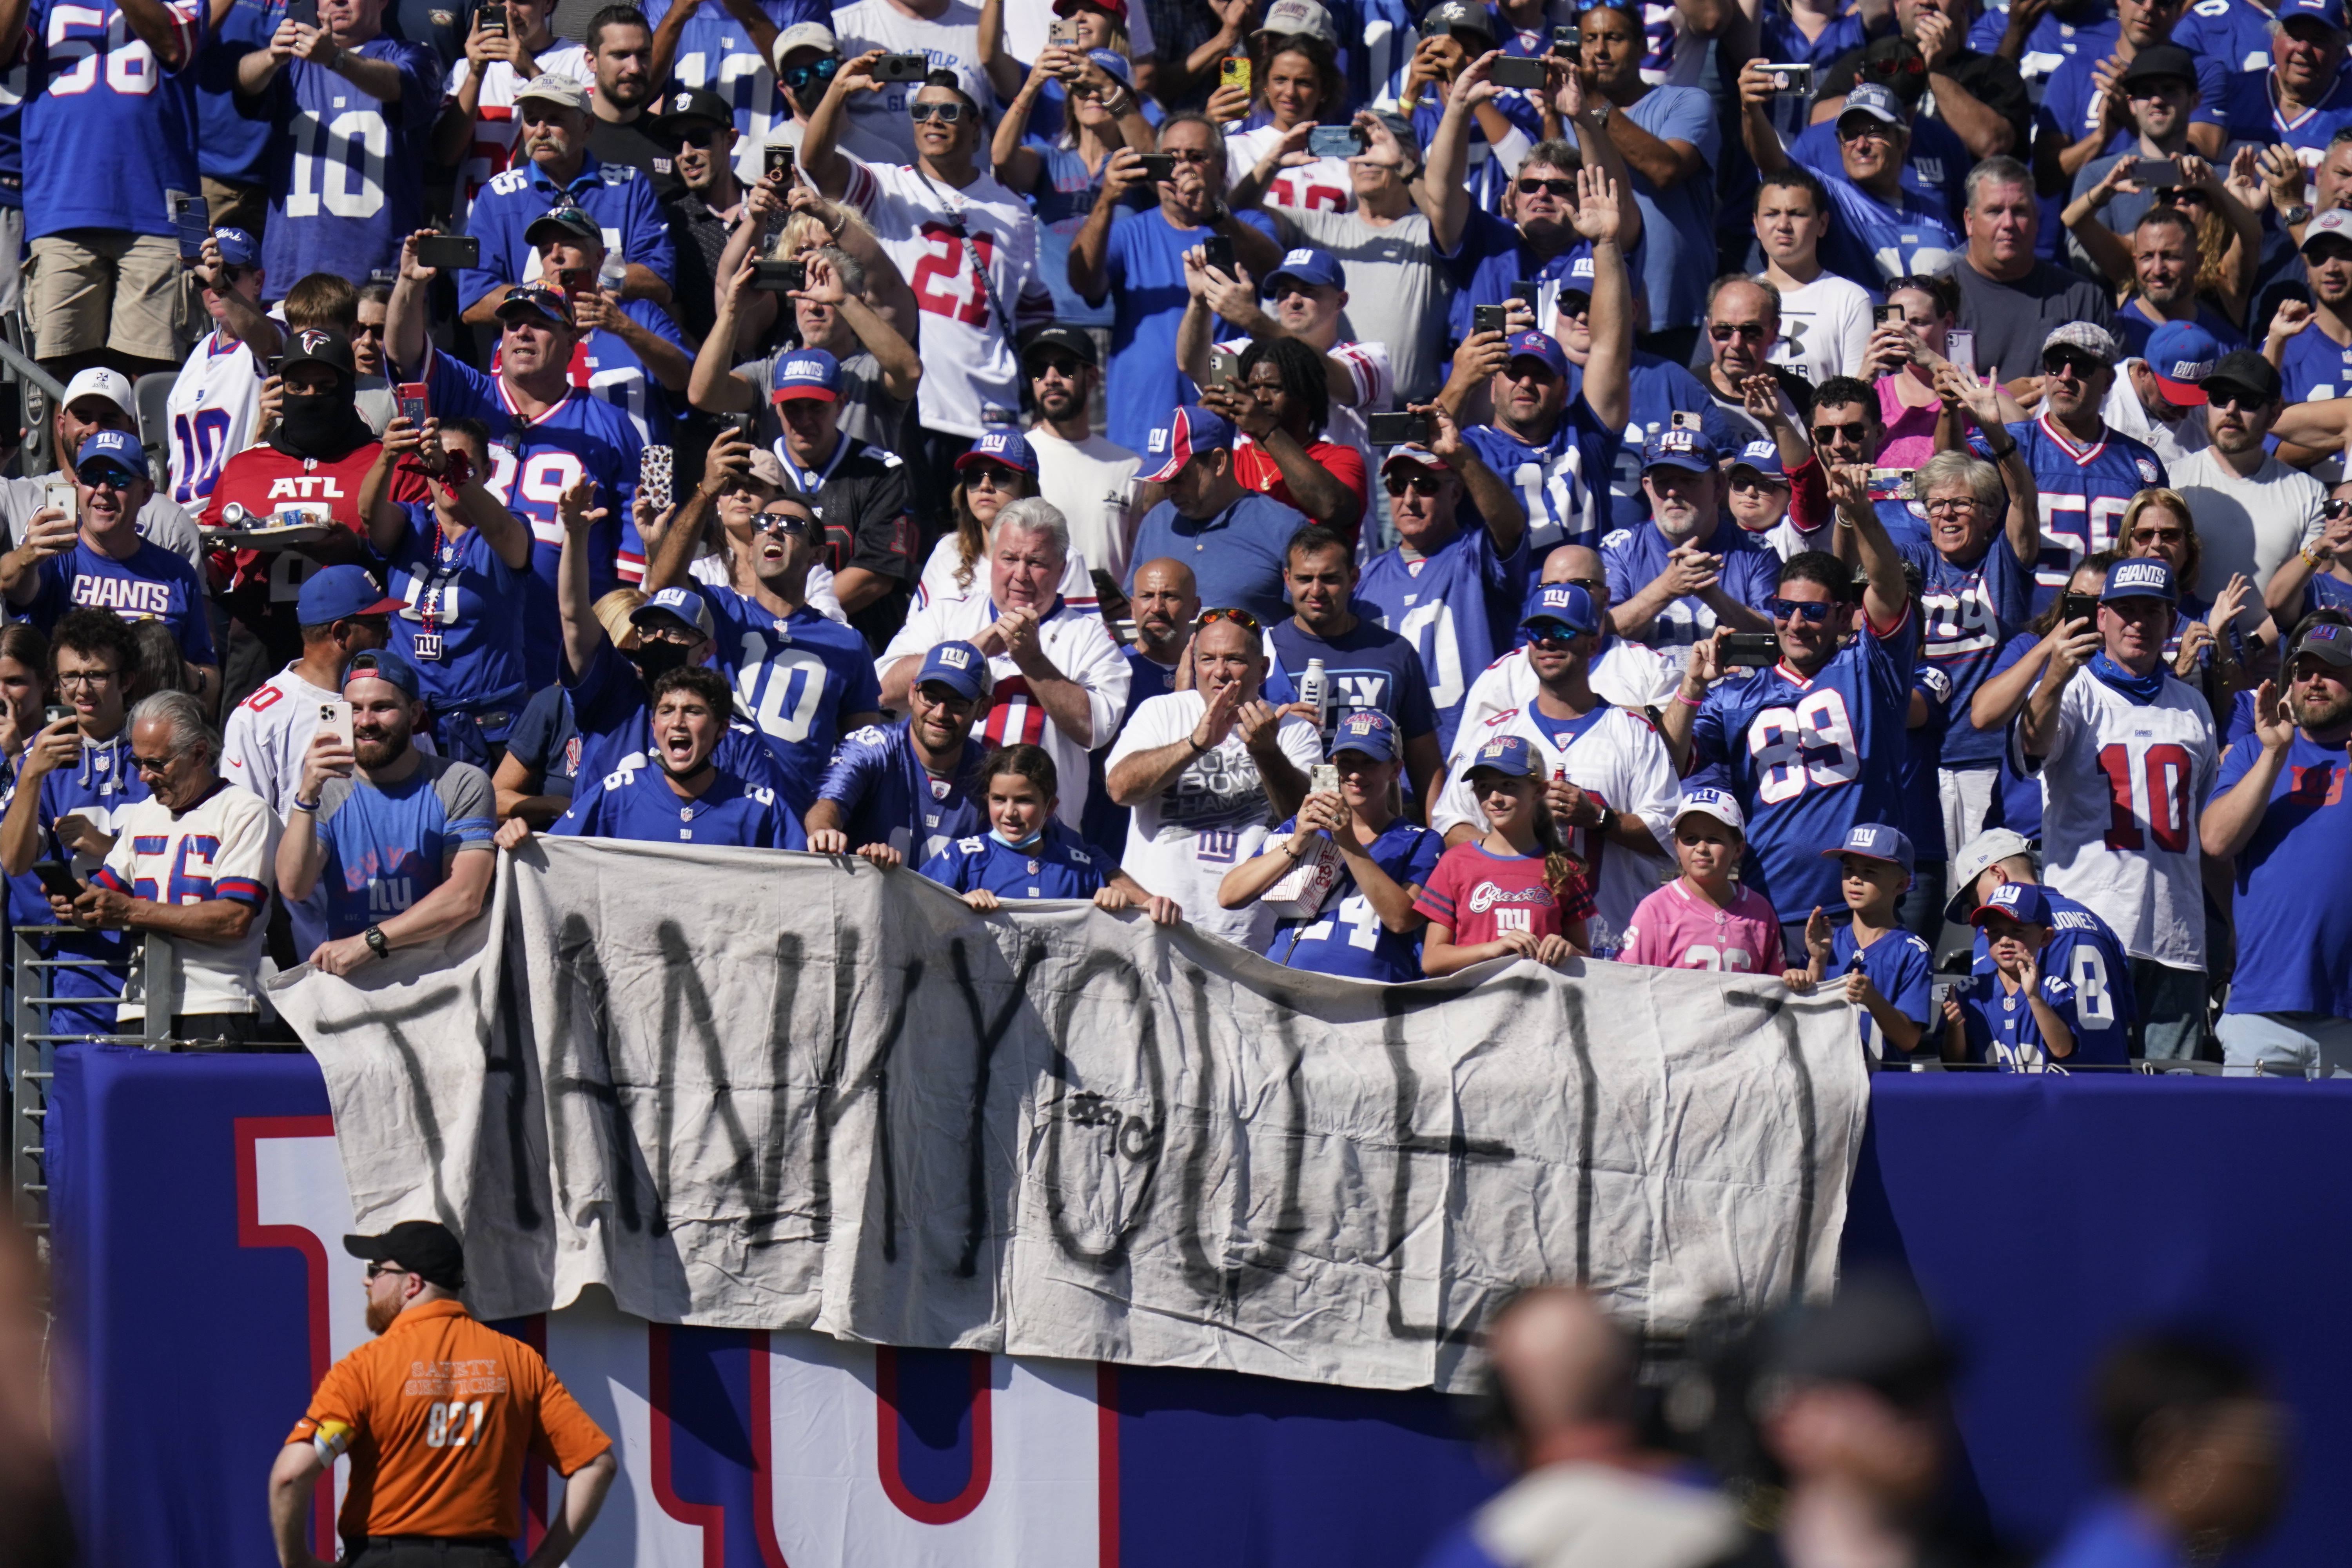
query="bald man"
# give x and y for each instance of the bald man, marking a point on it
(1565, 1375)
(1624, 674)
(1165, 602)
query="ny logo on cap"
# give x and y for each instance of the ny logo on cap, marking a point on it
(1159, 440)
(994, 441)
(2008, 896)
(955, 657)
(1298, 257)
(1361, 722)
(1759, 449)
(1675, 440)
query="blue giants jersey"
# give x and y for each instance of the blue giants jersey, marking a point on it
(606, 365)
(620, 198)
(1661, 389)
(16, 84)
(471, 597)
(889, 798)
(108, 131)
(1563, 485)
(2235, 32)
(346, 172)
(1903, 969)
(1967, 614)
(715, 52)
(1346, 936)
(1457, 608)
(154, 584)
(1367, 667)
(1634, 557)
(99, 788)
(637, 803)
(616, 721)
(1055, 866)
(795, 677)
(1810, 759)
(2083, 492)
(1873, 241)
(2084, 955)
(531, 464)
(2316, 367)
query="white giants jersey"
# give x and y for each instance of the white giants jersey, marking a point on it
(211, 413)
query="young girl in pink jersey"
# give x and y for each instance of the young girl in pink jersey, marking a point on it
(1702, 919)
(1516, 891)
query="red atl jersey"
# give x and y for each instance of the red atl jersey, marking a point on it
(267, 483)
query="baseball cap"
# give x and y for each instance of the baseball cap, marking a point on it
(1877, 1333)
(1112, 61)
(2330, 12)
(2023, 903)
(335, 593)
(2161, 62)
(549, 302)
(1895, 63)
(2326, 641)
(805, 373)
(1718, 803)
(957, 665)
(1675, 448)
(566, 217)
(679, 603)
(2085, 335)
(113, 450)
(1764, 457)
(1367, 730)
(1420, 456)
(1075, 341)
(1537, 345)
(766, 469)
(1878, 103)
(1318, 268)
(1108, 8)
(2180, 356)
(1009, 447)
(1876, 841)
(2244, 371)
(2335, 222)
(110, 384)
(1578, 278)
(237, 248)
(423, 1247)
(690, 104)
(1987, 849)
(1190, 432)
(2140, 577)
(317, 345)
(1507, 754)
(383, 664)
(803, 35)
(1565, 603)
(1451, 14)
(547, 88)
(1305, 16)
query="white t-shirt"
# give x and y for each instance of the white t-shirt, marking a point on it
(224, 847)
(1182, 841)
(2143, 879)
(211, 413)
(1619, 759)
(1322, 185)
(1093, 481)
(1824, 328)
(2247, 525)
(1079, 646)
(495, 125)
(879, 131)
(2123, 412)
(972, 381)
(1626, 675)
(939, 580)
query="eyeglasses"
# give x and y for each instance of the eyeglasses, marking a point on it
(152, 765)
(87, 677)
(790, 522)
(1808, 610)
(2181, 195)
(995, 476)
(819, 72)
(1951, 506)
(1189, 154)
(1746, 331)
(1857, 432)
(376, 1271)
(1063, 365)
(368, 330)
(1419, 484)
(1528, 187)
(2160, 535)
(1899, 65)
(2068, 362)
(945, 113)
(1239, 617)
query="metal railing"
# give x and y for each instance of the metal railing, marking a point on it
(37, 1050)
(40, 392)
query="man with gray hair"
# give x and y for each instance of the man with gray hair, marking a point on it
(2009, 298)
(2087, 471)
(194, 862)
(1763, 401)
(1059, 680)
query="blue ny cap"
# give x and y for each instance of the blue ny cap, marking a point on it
(113, 450)
(1764, 457)
(959, 667)
(335, 593)
(237, 248)
(2326, 641)
(1878, 102)
(383, 664)
(1507, 754)
(1190, 432)
(686, 604)
(1566, 603)
(2023, 903)
(1876, 841)
(2141, 577)
(1539, 346)
(1318, 268)
(1367, 730)
(1677, 448)
(2330, 12)
(2181, 354)
(1009, 447)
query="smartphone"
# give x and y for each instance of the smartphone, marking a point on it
(902, 68)
(1960, 348)
(335, 718)
(1750, 650)
(61, 495)
(1334, 141)
(1683, 419)
(745, 426)
(1397, 429)
(57, 878)
(1323, 778)
(1156, 165)
(1490, 319)
(56, 713)
(450, 250)
(415, 402)
(1217, 250)
(2078, 607)
(303, 13)
(1235, 71)
(1064, 33)
(1519, 71)
(779, 277)
(1225, 367)
(195, 228)
(2156, 170)
(1890, 316)
(1567, 43)
(1791, 80)
(494, 17)
(654, 472)
(780, 165)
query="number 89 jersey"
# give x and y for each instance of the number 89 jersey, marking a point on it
(1810, 759)
(796, 676)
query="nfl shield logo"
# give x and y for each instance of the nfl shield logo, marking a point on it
(940, 788)
(2146, 470)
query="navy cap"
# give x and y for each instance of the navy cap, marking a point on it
(1009, 447)
(548, 301)
(2330, 12)
(1505, 754)
(1580, 274)
(2326, 641)
(569, 217)
(1369, 731)
(334, 593)
(686, 604)
(957, 665)
(805, 373)
(1317, 267)
(2023, 903)
(1540, 346)
(1565, 603)
(1878, 103)
(112, 449)
(1763, 456)
(1677, 448)
(1876, 841)
(1190, 431)
(237, 248)
(1075, 341)
(383, 664)
(2140, 577)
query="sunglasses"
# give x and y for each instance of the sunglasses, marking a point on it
(817, 72)
(1808, 610)
(2336, 510)
(1062, 365)
(2170, 535)
(701, 138)
(1590, 584)
(1419, 484)
(1528, 187)
(1918, 282)
(1187, 154)
(945, 113)
(1241, 618)
(788, 522)
(2181, 195)
(995, 476)
(1857, 432)
(152, 765)
(1865, 130)
(1746, 332)
(1901, 65)
(2069, 362)
(377, 1271)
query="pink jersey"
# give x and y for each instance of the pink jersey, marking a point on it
(1481, 896)
(1676, 928)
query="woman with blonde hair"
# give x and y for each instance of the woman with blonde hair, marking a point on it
(2208, 649)
(1062, 176)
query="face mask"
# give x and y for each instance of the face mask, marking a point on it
(656, 659)
(312, 427)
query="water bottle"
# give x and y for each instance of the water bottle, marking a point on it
(612, 274)
(1315, 689)
(1606, 944)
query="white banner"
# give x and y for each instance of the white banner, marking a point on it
(746, 1090)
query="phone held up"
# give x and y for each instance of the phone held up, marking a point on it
(443, 250)
(2073, 606)
(415, 402)
(1397, 429)
(1750, 650)
(1323, 778)
(335, 718)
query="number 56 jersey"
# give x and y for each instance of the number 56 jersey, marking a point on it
(1810, 759)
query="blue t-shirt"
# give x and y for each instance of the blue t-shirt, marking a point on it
(108, 131)
(1455, 608)
(1678, 222)
(1660, 389)
(2071, 99)
(1347, 936)
(1810, 759)
(2084, 954)
(2017, 798)
(616, 727)
(716, 52)
(383, 847)
(2315, 367)
(1936, 171)
(1634, 558)
(618, 196)
(1967, 613)
(889, 798)
(2000, 1027)
(230, 145)
(471, 595)
(1873, 241)
(2234, 32)
(1144, 266)
(1922, 754)
(796, 676)
(1367, 666)
(1562, 485)
(2083, 490)
(346, 172)
(2295, 927)
(637, 803)
(154, 584)
(1236, 556)
(1902, 966)
(1055, 866)
(2135, 326)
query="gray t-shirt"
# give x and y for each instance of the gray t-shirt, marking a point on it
(2011, 320)
(868, 414)
(372, 857)
(1397, 294)
(161, 520)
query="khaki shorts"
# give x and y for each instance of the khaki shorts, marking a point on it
(229, 204)
(102, 289)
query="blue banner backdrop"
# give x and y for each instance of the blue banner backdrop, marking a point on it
(200, 1295)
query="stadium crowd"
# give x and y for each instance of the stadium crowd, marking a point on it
(1757, 487)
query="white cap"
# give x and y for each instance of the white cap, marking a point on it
(803, 35)
(548, 88)
(1718, 803)
(1988, 848)
(112, 384)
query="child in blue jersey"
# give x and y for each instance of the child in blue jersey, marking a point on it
(1889, 971)
(1028, 853)
(684, 796)
(2014, 1016)
(1365, 926)
(2084, 951)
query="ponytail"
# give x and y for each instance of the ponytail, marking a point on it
(1561, 867)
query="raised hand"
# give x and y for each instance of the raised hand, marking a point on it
(2274, 717)
(574, 510)
(1821, 937)
(1597, 214)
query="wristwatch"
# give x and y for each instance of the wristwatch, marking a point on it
(2297, 215)
(1608, 823)
(378, 943)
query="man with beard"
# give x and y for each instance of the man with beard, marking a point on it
(97, 400)
(901, 795)
(702, 213)
(630, 353)
(407, 1479)
(395, 843)
(308, 471)
(342, 612)
(2316, 365)
(2165, 264)
(1165, 604)
(1089, 476)
(2084, 472)
(2252, 510)
(620, 44)
(1206, 771)
(727, 46)
(1689, 569)
(685, 797)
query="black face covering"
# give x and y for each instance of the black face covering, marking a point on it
(324, 426)
(656, 658)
